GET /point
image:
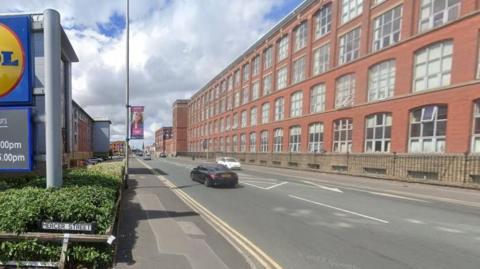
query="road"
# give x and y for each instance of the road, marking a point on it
(314, 220)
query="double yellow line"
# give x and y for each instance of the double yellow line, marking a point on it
(233, 236)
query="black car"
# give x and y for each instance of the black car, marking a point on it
(214, 175)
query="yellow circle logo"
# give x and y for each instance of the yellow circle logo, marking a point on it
(12, 60)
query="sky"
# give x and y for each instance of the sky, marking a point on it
(176, 47)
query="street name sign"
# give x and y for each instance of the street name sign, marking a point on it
(69, 227)
(15, 139)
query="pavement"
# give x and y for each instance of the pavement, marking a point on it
(301, 219)
(158, 230)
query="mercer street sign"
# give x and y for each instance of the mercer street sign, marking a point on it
(68, 227)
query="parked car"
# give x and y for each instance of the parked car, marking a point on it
(229, 162)
(147, 157)
(163, 155)
(91, 161)
(214, 175)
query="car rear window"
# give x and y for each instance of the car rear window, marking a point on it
(219, 168)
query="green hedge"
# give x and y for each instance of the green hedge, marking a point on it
(88, 195)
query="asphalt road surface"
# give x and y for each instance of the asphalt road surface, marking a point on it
(314, 220)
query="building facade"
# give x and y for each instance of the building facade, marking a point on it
(179, 127)
(117, 148)
(161, 136)
(353, 76)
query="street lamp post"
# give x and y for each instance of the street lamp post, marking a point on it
(127, 91)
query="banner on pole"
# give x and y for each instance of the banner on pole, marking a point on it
(136, 122)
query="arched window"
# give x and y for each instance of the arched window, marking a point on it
(265, 112)
(278, 140)
(315, 137)
(433, 65)
(345, 91)
(381, 80)
(476, 128)
(243, 143)
(253, 142)
(378, 132)
(279, 109)
(342, 135)
(296, 104)
(264, 141)
(428, 127)
(295, 134)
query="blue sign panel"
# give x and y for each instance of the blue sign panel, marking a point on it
(16, 139)
(15, 61)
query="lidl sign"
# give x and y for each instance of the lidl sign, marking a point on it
(15, 74)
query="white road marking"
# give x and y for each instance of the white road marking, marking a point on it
(450, 230)
(253, 185)
(415, 221)
(323, 187)
(339, 209)
(276, 185)
(396, 196)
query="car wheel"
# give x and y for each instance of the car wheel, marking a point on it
(207, 182)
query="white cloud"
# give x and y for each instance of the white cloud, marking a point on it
(176, 47)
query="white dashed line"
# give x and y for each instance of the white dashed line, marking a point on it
(339, 209)
(449, 230)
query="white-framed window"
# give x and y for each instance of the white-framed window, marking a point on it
(279, 108)
(278, 140)
(296, 104)
(253, 116)
(294, 141)
(317, 98)
(283, 48)
(256, 66)
(315, 137)
(222, 144)
(245, 95)
(434, 13)
(386, 28)
(237, 78)
(299, 70)
(222, 125)
(229, 102)
(227, 144)
(265, 112)
(264, 141)
(345, 91)
(243, 142)
(351, 9)
(243, 120)
(433, 65)
(234, 143)
(476, 128)
(267, 84)
(282, 75)
(246, 72)
(235, 121)
(378, 132)
(376, 2)
(268, 58)
(255, 90)
(253, 142)
(321, 59)
(227, 123)
(349, 46)
(237, 99)
(323, 21)
(301, 36)
(428, 127)
(381, 80)
(230, 83)
(342, 135)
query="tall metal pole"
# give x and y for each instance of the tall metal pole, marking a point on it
(53, 91)
(127, 91)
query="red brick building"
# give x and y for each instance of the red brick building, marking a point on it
(180, 126)
(161, 136)
(359, 76)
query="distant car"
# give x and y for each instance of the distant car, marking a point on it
(147, 157)
(99, 160)
(214, 175)
(91, 162)
(229, 162)
(163, 155)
